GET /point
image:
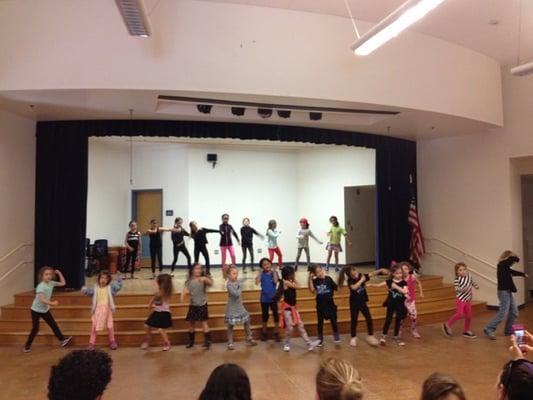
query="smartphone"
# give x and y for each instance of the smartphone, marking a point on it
(518, 332)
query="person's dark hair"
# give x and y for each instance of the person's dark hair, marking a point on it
(224, 216)
(191, 270)
(345, 274)
(106, 274)
(262, 261)
(227, 382)
(80, 375)
(194, 227)
(178, 219)
(153, 221)
(517, 379)
(166, 288)
(42, 270)
(287, 274)
(439, 386)
(334, 220)
(132, 222)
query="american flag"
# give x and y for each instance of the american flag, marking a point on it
(416, 247)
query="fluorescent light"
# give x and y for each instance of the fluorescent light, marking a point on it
(135, 17)
(407, 14)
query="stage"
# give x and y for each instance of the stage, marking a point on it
(181, 373)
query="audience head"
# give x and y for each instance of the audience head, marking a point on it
(460, 269)
(516, 380)
(104, 278)
(227, 381)
(265, 264)
(165, 286)
(338, 380)
(441, 387)
(334, 220)
(80, 375)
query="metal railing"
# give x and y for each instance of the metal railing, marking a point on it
(471, 269)
(19, 264)
(14, 250)
(463, 252)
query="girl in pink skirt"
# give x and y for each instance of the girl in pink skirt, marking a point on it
(103, 307)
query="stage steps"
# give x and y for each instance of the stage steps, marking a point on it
(74, 314)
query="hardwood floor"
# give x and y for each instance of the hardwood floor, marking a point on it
(389, 372)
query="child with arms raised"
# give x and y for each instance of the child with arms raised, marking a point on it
(103, 307)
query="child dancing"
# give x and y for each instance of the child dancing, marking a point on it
(463, 283)
(133, 244)
(199, 235)
(272, 237)
(335, 234)
(247, 237)
(358, 301)
(156, 245)
(412, 280)
(290, 317)
(395, 303)
(324, 287)
(303, 235)
(196, 286)
(40, 308)
(178, 240)
(268, 280)
(226, 244)
(236, 314)
(160, 318)
(103, 307)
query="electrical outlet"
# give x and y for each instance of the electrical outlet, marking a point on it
(259, 250)
(217, 252)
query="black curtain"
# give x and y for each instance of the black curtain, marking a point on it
(61, 201)
(61, 189)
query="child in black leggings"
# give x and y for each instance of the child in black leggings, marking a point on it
(199, 235)
(132, 241)
(156, 245)
(268, 279)
(324, 287)
(358, 301)
(395, 304)
(178, 241)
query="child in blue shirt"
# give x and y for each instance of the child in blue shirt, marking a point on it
(268, 280)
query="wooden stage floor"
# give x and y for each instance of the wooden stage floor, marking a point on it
(181, 373)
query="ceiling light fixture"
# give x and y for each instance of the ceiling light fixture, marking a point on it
(407, 14)
(135, 17)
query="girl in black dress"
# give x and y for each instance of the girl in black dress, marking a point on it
(156, 244)
(178, 240)
(395, 304)
(200, 242)
(160, 318)
(133, 244)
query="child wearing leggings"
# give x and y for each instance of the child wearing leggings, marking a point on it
(133, 244)
(226, 244)
(324, 287)
(178, 241)
(268, 280)
(272, 236)
(247, 245)
(156, 245)
(199, 235)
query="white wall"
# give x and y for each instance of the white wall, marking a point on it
(258, 182)
(17, 200)
(237, 49)
(469, 187)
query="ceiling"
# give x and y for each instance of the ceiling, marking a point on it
(464, 22)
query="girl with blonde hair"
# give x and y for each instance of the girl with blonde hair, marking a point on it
(338, 380)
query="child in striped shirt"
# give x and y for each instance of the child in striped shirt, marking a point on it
(463, 291)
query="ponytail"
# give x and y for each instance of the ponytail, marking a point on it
(338, 380)
(344, 274)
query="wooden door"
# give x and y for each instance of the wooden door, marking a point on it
(360, 215)
(146, 205)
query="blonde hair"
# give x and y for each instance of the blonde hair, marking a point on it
(338, 380)
(506, 254)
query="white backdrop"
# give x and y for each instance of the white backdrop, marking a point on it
(259, 181)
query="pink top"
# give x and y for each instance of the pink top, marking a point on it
(162, 307)
(411, 290)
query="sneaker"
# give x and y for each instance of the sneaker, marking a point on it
(372, 341)
(26, 349)
(489, 335)
(264, 337)
(231, 346)
(383, 340)
(313, 344)
(353, 342)
(336, 338)
(469, 334)
(320, 342)
(166, 346)
(251, 342)
(144, 345)
(415, 334)
(66, 341)
(286, 348)
(447, 330)
(90, 347)
(113, 345)
(398, 340)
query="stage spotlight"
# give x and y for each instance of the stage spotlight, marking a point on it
(284, 114)
(204, 108)
(315, 116)
(264, 112)
(239, 111)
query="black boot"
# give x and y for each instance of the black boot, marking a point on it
(191, 340)
(207, 340)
